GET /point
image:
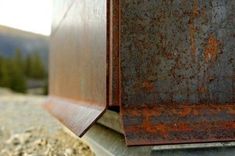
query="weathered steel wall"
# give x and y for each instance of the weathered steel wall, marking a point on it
(78, 54)
(78, 63)
(114, 76)
(177, 70)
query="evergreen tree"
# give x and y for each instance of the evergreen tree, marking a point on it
(4, 73)
(18, 58)
(34, 67)
(28, 66)
(12, 73)
(17, 77)
(15, 71)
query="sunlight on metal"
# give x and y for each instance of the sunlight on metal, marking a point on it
(28, 15)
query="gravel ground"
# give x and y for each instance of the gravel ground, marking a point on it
(27, 130)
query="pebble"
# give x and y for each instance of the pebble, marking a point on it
(35, 137)
(36, 143)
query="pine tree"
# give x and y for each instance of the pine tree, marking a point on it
(34, 67)
(17, 77)
(27, 66)
(16, 72)
(18, 58)
(4, 73)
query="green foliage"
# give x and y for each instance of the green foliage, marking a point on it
(34, 67)
(45, 89)
(15, 71)
(18, 58)
(4, 73)
(17, 79)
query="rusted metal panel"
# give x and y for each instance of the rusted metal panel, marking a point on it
(78, 65)
(114, 75)
(177, 71)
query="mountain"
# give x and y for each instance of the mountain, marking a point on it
(12, 39)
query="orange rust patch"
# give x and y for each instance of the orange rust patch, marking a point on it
(195, 8)
(202, 89)
(149, 86)
(211, 49)
(168, 55)
(231, 110)
(162, 129)
(185, 111)
(181, 127)
(204, 14)
(177, 109)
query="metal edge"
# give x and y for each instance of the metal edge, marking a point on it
(77, 116)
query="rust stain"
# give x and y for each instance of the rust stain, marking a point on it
(202, 89)
(181, 109)
(192, 29)
(229, 124)
(169, 55)
(176, 111)
(185, 111)
(195, 8)
(155, 127)
(182, 112)
(231, 110)
(148, 86)
(161, 129)
(181, 127)
(166, 129)
(204, 12)
(211, 49)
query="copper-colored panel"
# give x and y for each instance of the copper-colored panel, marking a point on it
(60, 9)
(177, 71)
(114, 94)
(76, 115)
(78, 65)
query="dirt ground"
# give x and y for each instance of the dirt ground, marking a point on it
(28, 130)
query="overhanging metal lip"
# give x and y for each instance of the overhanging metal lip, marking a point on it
(78, 116)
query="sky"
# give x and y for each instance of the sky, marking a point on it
(28, 15)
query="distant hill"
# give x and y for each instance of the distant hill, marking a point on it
(12, 39)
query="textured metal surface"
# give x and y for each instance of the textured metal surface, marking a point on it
(76, 115)
(60, 10)
(78, 65)
(114, 93)
(177, 71)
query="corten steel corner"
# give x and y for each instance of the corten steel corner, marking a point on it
(168, 65)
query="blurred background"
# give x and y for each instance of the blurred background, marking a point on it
(25, 27)
(25, 128)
